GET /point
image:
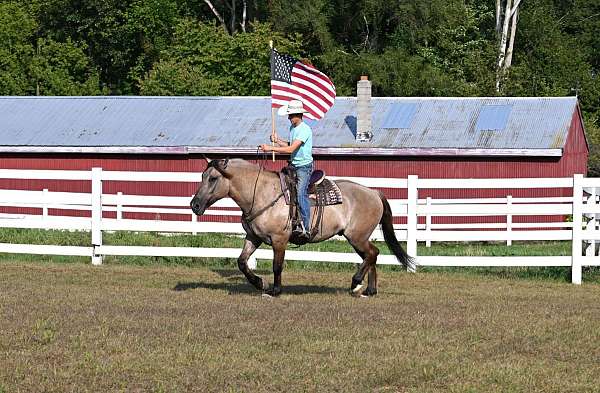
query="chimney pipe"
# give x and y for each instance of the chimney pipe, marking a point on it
(364, 125)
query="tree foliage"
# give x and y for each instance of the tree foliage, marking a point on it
(33, 65)
(205, 60)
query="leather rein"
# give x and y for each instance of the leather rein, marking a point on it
(252, 216)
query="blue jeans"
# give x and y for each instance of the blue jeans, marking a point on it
(303, 173)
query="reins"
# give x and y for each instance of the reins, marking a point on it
(251, 216)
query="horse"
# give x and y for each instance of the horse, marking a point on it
(265, 219)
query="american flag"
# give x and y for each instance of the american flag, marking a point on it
(293, 80)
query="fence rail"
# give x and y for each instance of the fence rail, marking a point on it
(419, 214)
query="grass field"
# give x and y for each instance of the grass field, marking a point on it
(154, 324)
(74, 327)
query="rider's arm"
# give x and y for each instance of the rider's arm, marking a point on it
(289, 149)
(279, 142)
(284, 149)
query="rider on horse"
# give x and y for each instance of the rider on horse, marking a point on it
(300, 148)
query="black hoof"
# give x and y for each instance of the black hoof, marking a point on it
(273, 292)
(370, 292)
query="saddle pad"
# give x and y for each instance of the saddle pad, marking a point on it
(326, 193)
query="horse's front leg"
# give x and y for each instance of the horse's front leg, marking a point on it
(278, 258)
(250, 245)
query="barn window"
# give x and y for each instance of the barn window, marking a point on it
(493, 117)
(399, 115)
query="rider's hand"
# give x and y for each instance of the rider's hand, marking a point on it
(274, 138)
(265, 147)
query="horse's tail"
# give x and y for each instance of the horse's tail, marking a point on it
(390, 236)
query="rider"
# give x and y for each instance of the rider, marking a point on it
(300, 149)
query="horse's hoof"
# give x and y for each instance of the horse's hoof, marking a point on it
(357, 291)
(266, 296)
(273, 292)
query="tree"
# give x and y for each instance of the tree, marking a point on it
(206, 60)
(37, 65)
(63, 69)
(16, 30)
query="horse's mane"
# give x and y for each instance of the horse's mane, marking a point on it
(240, 163)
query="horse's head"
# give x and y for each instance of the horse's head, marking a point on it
(214, 186)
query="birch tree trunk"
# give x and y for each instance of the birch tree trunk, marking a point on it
(230, 24)
(243, 23)
(513, 31)
(217, 14)
(498, 18)
(503, 37)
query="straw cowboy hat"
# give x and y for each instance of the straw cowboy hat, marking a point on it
(292, 107)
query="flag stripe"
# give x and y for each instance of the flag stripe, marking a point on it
(316, 85)
(308, 105)
(313, 71)
(326, 99)
(299, 72)
(294, 95)
(323, 106)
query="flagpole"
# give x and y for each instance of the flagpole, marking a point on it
(272, 114)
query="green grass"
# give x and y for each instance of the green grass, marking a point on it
(113, 328)
(229, 241)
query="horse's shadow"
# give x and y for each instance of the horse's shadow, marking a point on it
(237, 284)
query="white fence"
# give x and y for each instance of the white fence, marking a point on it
(583, 230)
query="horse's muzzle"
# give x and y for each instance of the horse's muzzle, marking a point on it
(197, 207)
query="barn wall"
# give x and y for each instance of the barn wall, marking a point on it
(392, 167)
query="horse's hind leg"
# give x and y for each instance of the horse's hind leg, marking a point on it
(250, 245)
(278, 259)
(368, 252)
(372, 288)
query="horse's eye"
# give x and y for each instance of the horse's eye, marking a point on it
(212, 179)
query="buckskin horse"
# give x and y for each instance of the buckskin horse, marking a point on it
(265, 218)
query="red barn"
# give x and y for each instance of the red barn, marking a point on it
(359, 136)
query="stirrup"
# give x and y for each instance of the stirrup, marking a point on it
(300, 231)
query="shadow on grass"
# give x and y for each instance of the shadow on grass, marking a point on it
(244, 287)
(227, 273)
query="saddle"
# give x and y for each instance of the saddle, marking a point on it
(321, 192)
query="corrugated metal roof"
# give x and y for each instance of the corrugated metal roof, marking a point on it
(245, 122)
(493, 117)
(399, 115)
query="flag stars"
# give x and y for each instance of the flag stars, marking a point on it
(283, 64)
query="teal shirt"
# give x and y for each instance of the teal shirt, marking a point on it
(303, 155)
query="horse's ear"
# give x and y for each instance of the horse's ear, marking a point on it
(208, 160)
(221, 166)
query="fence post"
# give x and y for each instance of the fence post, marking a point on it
(509, 220)
(428, 223)
(576, 249)
(45, 206)
(119, 205)
(96, 213)
(411, 218)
